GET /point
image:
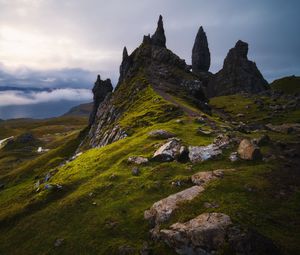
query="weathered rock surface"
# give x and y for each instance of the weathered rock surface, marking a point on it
(200, 53)
(101, 90)
(137, 160)
(161, 134)
(237, 75)
(201, 235)
(202, 153)
(249, 151)
(203, 178)
(172, 150)
(284, 128)
(162, 210)
(125, 65)
(208, 233)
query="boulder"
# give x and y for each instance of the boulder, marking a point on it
(237, 75)
(169, 151)
(202, 153)
(204, 234)
(137, 160)
(249, 151)
(200, 53)
(203, 178)
(162, 210)
(161, 134)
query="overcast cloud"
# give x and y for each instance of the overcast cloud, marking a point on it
(88, 36)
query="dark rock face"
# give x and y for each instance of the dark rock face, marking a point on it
(200, 53)
(100, 91)
(159, 38)
(237, 75)
(125, 65)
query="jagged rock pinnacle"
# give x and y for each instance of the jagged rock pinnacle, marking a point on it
(100, 91)
(237, 75)
(200, 53)
(159, 38)
(125, 53)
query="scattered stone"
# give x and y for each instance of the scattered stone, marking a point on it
(211, 205)
(162, 210)
(2, 186)
(138, 160)
(284, 128)
(201, 235)
(248, 150)
(203, 132)
(126, 250)
(161, 134)
(58, 242)
(202, 178)
(94, 203)
(240, 115)
(113, 177)
(135, 171)
(200, 120)
(234, 156)
(202, 153)
(179, 121)
(222, 141)
(169, 151)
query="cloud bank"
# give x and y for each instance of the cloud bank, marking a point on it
(8, 98)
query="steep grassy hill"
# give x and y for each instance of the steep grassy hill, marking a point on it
(95, 205)
(288, 85)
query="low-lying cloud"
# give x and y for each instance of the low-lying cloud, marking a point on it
(15, 97)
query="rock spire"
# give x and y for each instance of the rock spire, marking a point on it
(200, 53)
(159, 38)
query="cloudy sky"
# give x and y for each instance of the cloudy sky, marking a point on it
(55, 43)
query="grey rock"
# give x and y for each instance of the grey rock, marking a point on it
(237, 75)
(135, 171)
(59, 242)
(249, 151)
(200, 53)
(233, 157)
(161, 134)
(202, 178)
(202, 235)
(137, 160)
(168, 151)
(202, 153)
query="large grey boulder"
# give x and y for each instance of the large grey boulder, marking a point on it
(237, 75)
(162, 210)
(200, 53)
(201, 235)
(203, 153)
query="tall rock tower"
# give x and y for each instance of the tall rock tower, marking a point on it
(200, 53)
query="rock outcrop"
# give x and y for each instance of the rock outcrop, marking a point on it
(248, 151)
(200, 53)
(100, 90)
(237, 75)
(151, 64)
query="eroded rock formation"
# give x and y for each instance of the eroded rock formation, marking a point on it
(100, 90)
(200, 53)
(237, 75)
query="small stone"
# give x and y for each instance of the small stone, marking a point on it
(234, 157)
(135, 171)
(161, 134)
(58, 242)
(138, 160)
(112, 177)
(94, 203)
(203, 132)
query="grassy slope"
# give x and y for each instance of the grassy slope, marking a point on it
(101, 204)
(288, 85)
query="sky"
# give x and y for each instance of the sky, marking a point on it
(65, 44)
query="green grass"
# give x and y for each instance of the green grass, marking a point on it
(101, 204)
(288, 85)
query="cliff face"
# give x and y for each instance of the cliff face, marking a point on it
(151, 64)
(237, 75)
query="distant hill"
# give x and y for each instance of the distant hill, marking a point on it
(80, 110)
(288, 85)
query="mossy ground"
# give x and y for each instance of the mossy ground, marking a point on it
(101, 204)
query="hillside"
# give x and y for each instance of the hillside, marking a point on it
(288, 85)
(160, 169)
(80, 110)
